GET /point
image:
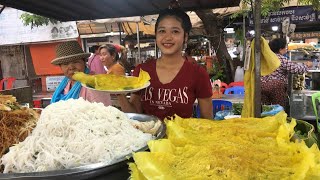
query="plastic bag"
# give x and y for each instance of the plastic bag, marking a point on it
(275, 110)
(221, 114)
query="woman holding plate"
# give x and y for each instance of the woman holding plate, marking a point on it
(71, 59)
(175, 82)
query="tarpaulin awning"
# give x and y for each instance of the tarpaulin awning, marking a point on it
(146, 23)
(95, 9)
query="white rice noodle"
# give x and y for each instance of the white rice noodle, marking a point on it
(73, 133)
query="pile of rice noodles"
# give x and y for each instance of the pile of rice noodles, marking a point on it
(73, 133)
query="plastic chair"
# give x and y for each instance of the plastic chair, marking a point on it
(37, 103)
(218, 105)
(9, 80)
(235, 90)
(232, 84)
(223, 87)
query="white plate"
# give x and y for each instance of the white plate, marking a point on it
(119, 91)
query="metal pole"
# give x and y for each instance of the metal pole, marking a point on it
(138, 40)
(210, 50)
(244, 37)
(257, 57)
(120, 30)
(26, 66)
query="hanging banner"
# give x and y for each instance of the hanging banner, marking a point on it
(297, 15)
(13, 32)
(305, 35)
(52, 82)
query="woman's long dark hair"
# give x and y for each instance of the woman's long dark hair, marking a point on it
(179, 14)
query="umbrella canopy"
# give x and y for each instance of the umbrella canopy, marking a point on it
(96, 9)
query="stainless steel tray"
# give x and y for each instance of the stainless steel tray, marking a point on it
(117, 170)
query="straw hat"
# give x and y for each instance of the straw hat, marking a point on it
(67, 52)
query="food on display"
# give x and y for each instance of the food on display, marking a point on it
(300, 46)
(16, 122)
(244, 148)
(111, 81)
(73, 133)
(147, 127)
(298, 82)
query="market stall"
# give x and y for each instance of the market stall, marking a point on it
(302, 87)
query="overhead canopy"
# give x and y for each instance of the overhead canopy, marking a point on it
(146, 23)
(65, 10)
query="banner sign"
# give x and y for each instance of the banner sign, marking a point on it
(297, 15)
(14, 32)
(53, 82)
(305, 35)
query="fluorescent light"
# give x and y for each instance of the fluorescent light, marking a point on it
(275, 28)
(252, 32)
(229, 30)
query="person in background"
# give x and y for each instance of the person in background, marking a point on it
(274, 86)
(95, 65)
(122, 52)
(109, 58)
(71, 58)
(175, 83)
(187, 54)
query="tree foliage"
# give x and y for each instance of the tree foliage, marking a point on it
(36, 20)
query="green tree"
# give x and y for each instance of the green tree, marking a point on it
(36, 20)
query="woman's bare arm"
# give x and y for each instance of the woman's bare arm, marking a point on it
(205, 108)
(133, 105)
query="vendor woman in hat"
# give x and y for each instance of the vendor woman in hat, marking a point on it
(71, 58)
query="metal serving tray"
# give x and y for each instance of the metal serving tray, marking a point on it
(117, 170)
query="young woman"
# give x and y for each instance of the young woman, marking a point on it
(109, 58)
(175, 82)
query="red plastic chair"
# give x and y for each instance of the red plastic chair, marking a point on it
(236, 84)
(223, 87)
(9, 80)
